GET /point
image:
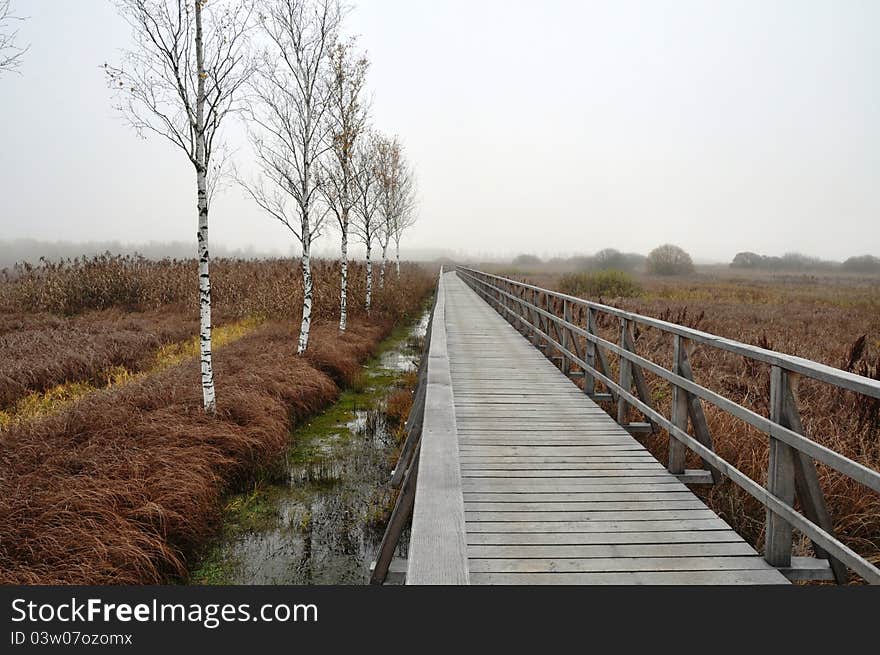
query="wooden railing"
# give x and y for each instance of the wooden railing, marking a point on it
(545, 317)
(428, 473)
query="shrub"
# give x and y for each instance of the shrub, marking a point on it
(669, 260)
(614, 284)
(526, 261)
(862, 264)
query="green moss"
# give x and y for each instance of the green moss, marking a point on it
(315, 446)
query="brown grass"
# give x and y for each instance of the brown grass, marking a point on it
(123, 485)
(834, 321)
(81, 321)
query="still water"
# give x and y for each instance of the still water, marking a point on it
(322, 520)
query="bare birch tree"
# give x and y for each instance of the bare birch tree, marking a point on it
(387, 155)
(367, 222)
(289, 130)
(396, 190)
(180, 81)
(346, 118)
(405, 214)
(10, 53)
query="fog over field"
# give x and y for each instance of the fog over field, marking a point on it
(553, 128)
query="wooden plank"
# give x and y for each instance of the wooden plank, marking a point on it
(544, 467)
(626, 495)
(806, 367)
(688, 525)
(719, 549)
(599, 487)
(585, 474)
(625, 465)
(750, 577)
(438, 552)
(592, 538)
(687, 502)
(568, 515)
(617, 564)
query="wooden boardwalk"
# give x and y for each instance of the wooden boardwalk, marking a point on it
(553, 490)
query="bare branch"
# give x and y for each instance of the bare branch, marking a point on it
(10, 53)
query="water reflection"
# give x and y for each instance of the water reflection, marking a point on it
(326, 529)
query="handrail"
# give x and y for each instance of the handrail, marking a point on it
(791, 465)
(437, 548)
(815, 370)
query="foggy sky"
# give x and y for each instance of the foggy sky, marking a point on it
(545, 127)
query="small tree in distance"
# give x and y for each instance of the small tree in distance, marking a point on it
(669, 259)
(526, 261)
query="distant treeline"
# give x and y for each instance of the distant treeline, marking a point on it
(31, 250)
(794, 261)
(672, 260)
(667, 259)
(607, 259)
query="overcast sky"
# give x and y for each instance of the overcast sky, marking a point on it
(546, 127)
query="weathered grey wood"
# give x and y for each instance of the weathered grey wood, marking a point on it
(821, 453)
(695, 412)
(807, 568)
(806, 367)
(601, 538)
(631, 477)
(820, 536)
(625, 376)
(600, 362)
(677, 449)
(720, 549)
(567, 515)
(400, 516)
(780, 479)
(806, 482)
(638, 428)
(615, 564)
(750, 577)
(695, 476)
(438, 553)
(813, 525)
(595, 526)
(636, 374)
(467, 465)
(540, 464)
(689, 502)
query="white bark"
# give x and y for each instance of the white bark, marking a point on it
(369, 301)
(397, 256)
(306, 324)
(180, 82)
(384, 261)
(343, 292)
(287, 123)
(209, 397)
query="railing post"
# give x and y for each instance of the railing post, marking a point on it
(625, 378)
(590, 354)
(780, 477)
(679, 417)
(566, 316)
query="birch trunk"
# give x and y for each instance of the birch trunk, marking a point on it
(369, 301)
(208, 392)
(343, 293)
(397, 257)
(382, 268)
(306, 324)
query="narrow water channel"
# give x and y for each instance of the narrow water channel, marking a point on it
(321, 519)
